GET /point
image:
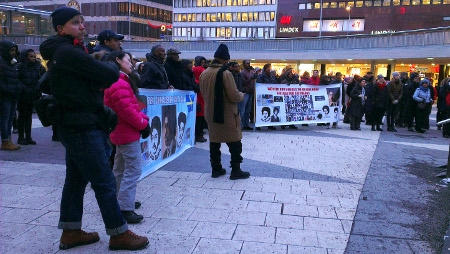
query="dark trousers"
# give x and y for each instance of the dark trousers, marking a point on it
(355, 122)
(421, 115)
(378, 114)
(235, 149)
(370, 119)
(410, 114)
(392, 112)
(199, 126)
(24, 119)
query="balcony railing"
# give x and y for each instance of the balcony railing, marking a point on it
(405, 39)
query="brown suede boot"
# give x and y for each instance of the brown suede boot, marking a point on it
(127, 241)
(77, 237)
(9, 146)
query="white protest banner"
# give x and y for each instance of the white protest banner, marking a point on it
(281, 104)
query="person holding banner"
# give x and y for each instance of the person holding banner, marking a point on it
(221, 113)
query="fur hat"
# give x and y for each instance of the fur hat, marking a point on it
(63, 14)
(222, 52)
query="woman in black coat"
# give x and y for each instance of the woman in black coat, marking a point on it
(379, 101)
(30, 71)
(356, 107)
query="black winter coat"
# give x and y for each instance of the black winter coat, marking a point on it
(379, 96)
(356, 108)
(10, 86)
(77, 82)
(173, 70)
(188, 81)
(154, 74)
(29, 74)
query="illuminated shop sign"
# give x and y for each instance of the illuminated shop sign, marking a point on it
(286, 20)
(288, 30)
(337, 25)
(382, 32)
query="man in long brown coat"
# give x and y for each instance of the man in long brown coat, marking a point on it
(222, 115)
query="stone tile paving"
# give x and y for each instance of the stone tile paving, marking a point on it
(301, 198)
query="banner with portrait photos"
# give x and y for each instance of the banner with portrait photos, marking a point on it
(282, 104)
(172, 116)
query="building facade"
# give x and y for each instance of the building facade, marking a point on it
(136, 19)
(224, 19)
(303, 18)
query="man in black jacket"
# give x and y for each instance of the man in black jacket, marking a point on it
(77, 81)
(173, 68)
(10, 89)
(154, 75)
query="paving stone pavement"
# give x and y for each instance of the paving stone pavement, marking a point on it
(302, 196)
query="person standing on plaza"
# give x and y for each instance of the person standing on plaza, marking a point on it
(108, 41)
(267, 77)
(379, 101)
(77, 81)
(315, 79)
(122, 98)
(154, 74)
(222, 115)
(401, 118)
(10, 90)
(200, 123)
(249, 76)
(395, 93)
(172, 65)
(30, 71)
(356, 107)
(413, 84)
(423, 97)
(305, 78)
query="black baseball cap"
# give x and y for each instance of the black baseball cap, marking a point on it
(108, 34)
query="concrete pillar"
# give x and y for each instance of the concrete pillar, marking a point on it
(323, 69)
(389, 72)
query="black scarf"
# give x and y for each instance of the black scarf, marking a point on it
(218, 95)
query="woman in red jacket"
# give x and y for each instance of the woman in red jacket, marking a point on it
(121, 97)
(200, 123)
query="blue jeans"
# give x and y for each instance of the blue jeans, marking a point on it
(7, 110)
(87, 154)
(245, 108)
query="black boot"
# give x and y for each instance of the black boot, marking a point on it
(237, 173)
(217, 170)
(373, 127)
(378, 128)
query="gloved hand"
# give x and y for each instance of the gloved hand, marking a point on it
(394, 101)
(145, 132)
(360, 96)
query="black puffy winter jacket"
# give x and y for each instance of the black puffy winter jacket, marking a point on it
(10, 86)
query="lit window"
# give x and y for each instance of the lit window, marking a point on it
(228, 17)
(359, 4)
(395, 2)
(244, 2)
(437, 1)
(415, 2)
(244, 16)
(445, 1)
(189, 17)
(377, 3)
(250, 16)
(406, 2)
(316, 5)
(333, 5)
(208, 17)
(386, 2)
(425, 2)
(301, 6)
(274, 2)
(367, 3)
(272, 16)
(239, 2)
(239, 17)
(261, 2)
(251, 2)
(342, 5)
(213, 17)
(178, 17)
(351, 4)
(183, 18)
(308, 6)
(199, 3)
(213, 3)
(229, 2)
(325, 5)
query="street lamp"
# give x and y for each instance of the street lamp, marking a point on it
(349, 9)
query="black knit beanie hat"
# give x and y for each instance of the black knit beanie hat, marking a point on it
(63, 14)
(222, 52)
